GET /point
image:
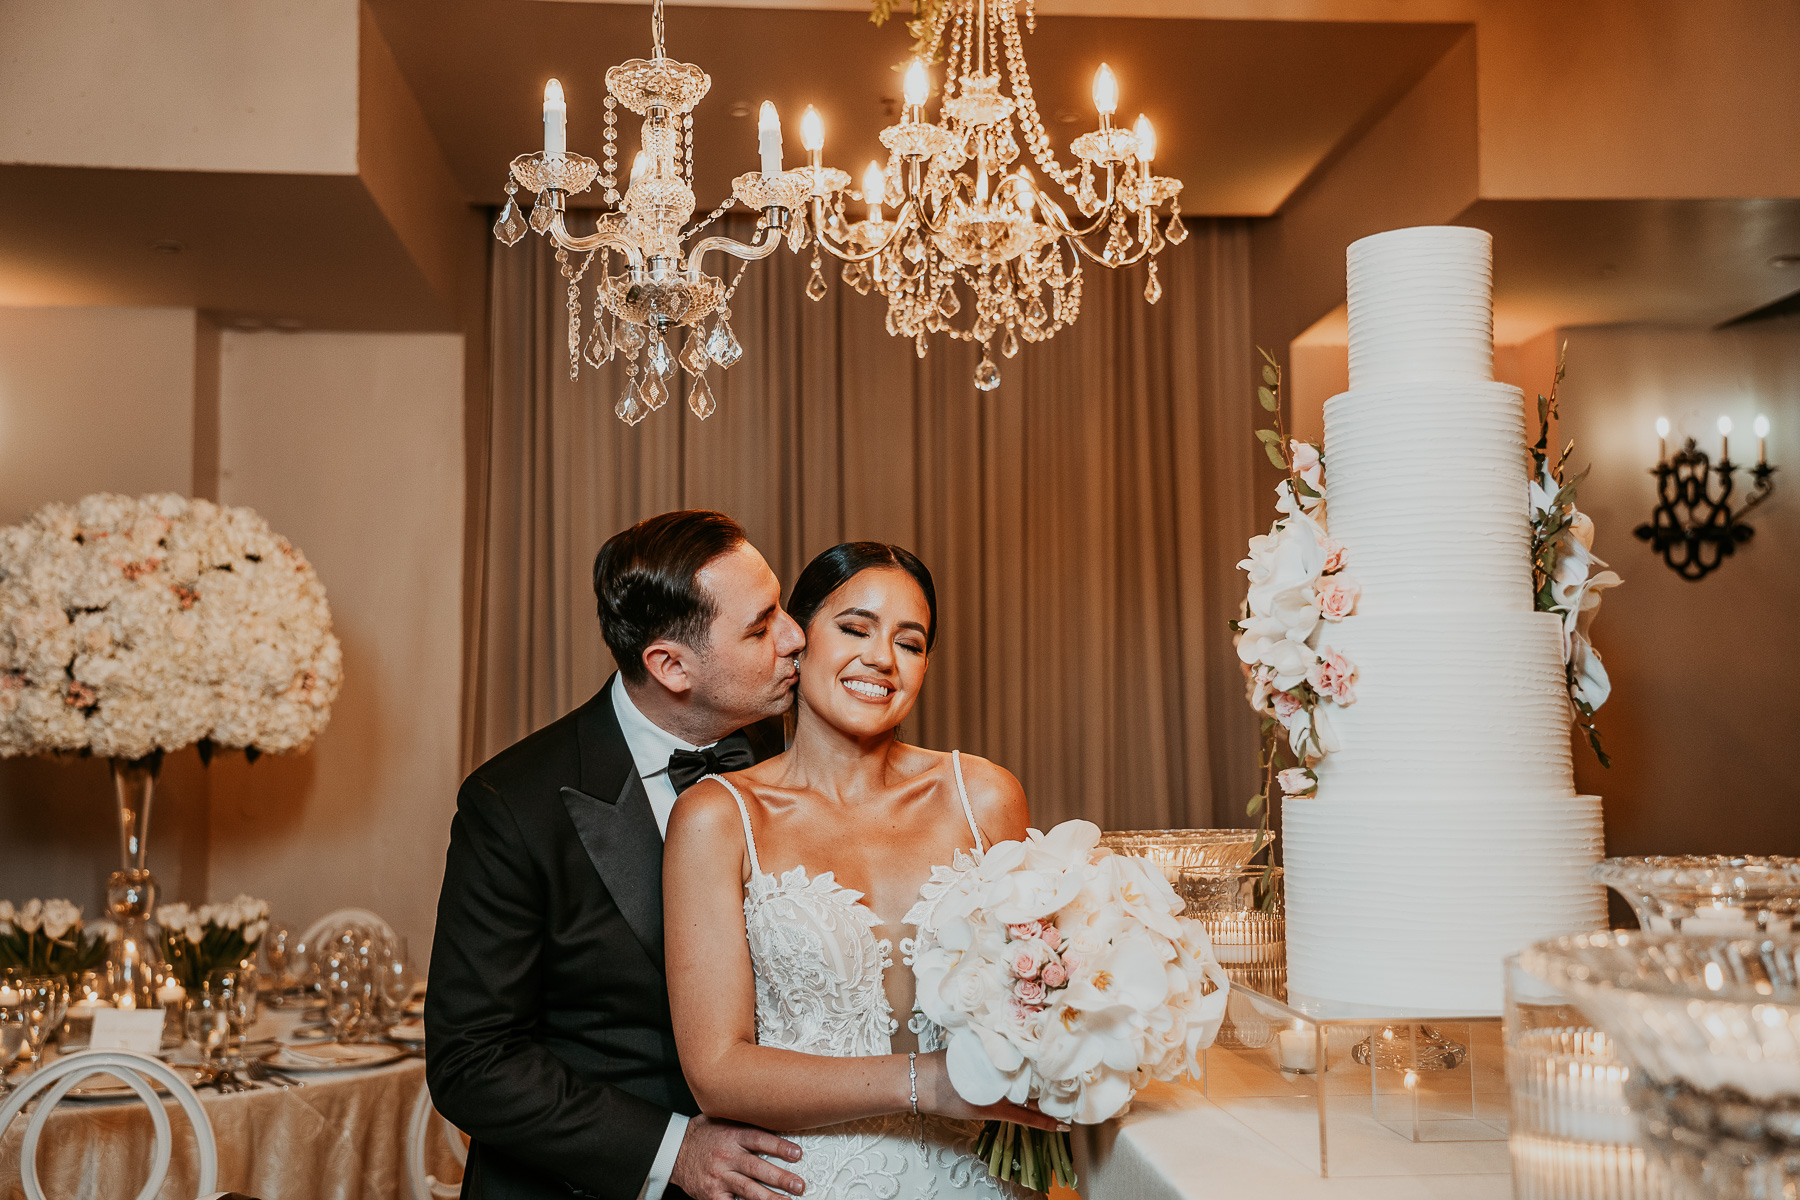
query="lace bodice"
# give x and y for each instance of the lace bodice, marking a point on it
(819, 990)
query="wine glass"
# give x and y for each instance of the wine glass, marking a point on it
(12, 1041)
(279, 942)
(395, 969)
(41, 1012)
(208, 1027)
(344, 983)
(238, 996)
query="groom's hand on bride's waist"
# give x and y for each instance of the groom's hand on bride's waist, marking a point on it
(719, 1160)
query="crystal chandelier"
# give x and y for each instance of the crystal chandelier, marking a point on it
(659, 286)
(976, 246)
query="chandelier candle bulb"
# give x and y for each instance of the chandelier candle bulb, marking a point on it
(1724, 439)
(1106, 94)
(768, 138)
(917, 88)
(874, 184)
(1762, 440)
(1146, 144)
(556, 120)
(639, 165)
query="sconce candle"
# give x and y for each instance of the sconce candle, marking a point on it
(1724, 439)
(1662, 439)
(1762, 440)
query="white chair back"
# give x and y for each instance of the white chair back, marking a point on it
(426, 1186)
(135, 1070)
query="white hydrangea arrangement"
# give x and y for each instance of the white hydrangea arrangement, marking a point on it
(47, 937)
(197, 943)
(129, 627)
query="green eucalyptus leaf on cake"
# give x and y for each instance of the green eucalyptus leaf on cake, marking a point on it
(1266, 397)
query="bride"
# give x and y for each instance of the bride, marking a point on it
(785, 886)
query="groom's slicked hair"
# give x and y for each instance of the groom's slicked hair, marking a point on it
(843, 562)
(644, 581)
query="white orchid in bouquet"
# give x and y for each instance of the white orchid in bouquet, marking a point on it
(1061, 974)
(1298, 590)
(48, 937)
(1567, 576)
(129, 627)
(199, 943)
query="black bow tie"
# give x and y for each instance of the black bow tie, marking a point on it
(688, 767)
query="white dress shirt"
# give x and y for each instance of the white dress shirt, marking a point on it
(650, 745)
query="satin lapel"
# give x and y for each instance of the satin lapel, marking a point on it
(612, 816)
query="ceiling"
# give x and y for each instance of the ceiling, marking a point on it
(1244, 110)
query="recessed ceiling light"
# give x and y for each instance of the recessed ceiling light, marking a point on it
(1782, 262)
(740, 108)
(287, 324)
(1067, 117)
(247, 322)
(167, 246)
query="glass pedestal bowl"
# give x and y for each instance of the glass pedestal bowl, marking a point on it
(1712, 894)
(1173, 849)
(1711, 1028)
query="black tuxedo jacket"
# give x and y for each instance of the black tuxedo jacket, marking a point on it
(547, 1022)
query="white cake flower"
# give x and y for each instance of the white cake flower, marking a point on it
(1588, 684)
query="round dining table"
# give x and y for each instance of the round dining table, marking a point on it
(329, 1135)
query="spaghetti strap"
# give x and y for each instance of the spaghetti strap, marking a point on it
(749, 837)
(961, 790)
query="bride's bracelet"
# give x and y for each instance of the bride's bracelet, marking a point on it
(912, 1075)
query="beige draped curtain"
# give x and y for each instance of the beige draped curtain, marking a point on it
(1081, 521)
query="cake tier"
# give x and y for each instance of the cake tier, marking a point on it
(1426, 488)
(1421, 306)
(1414, 902)
(1449, 703)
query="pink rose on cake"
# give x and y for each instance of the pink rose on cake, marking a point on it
(1332, 676)
(1296, 781)
(1334, 555)
(1337, 596)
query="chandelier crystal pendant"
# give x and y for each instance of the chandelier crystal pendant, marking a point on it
(659, 286)
(975, 245)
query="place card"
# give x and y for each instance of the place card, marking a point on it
(139, 1029)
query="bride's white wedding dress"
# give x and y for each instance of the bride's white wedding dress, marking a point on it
(819, 990)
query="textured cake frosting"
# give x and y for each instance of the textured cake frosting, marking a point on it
(1446, 832)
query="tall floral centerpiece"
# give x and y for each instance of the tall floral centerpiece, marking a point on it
(133, 627)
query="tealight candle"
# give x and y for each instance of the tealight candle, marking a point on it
(125, 1000)
(170, 993)
(1724, 439)
(9, 996)
(1297, 1050)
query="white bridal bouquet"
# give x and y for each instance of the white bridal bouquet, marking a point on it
(133, 626)
(1061, 974)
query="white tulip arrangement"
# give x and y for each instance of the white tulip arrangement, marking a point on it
(47, 937)
(1061, 974)
(129, 627)
(198, 943)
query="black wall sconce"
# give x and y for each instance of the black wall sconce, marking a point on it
(1694, 527)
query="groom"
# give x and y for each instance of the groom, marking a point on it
(547, 1021)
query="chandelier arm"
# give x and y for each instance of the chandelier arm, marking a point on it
(1143, 252)
(1065, 227)
(768, 236)
(603, 237)
(859, 256)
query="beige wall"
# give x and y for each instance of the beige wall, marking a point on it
(193, 85)
(93, 399)
(351, 446)
(1702, 716)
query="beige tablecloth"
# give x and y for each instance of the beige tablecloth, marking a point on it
(340, 1137)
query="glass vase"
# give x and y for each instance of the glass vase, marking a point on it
(131, 890)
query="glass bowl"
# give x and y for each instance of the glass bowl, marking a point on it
(1711, 894)
(1711, 1026)
(1173, 849)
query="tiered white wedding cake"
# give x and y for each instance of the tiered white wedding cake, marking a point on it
(1446, 832)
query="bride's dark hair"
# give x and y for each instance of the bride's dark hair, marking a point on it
(838, 565)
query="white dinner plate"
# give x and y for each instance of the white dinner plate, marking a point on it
(408, 1031)
(334, 1056)
(106, 1087)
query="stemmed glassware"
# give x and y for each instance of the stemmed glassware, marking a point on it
(44, 1003)
(12, 1041)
